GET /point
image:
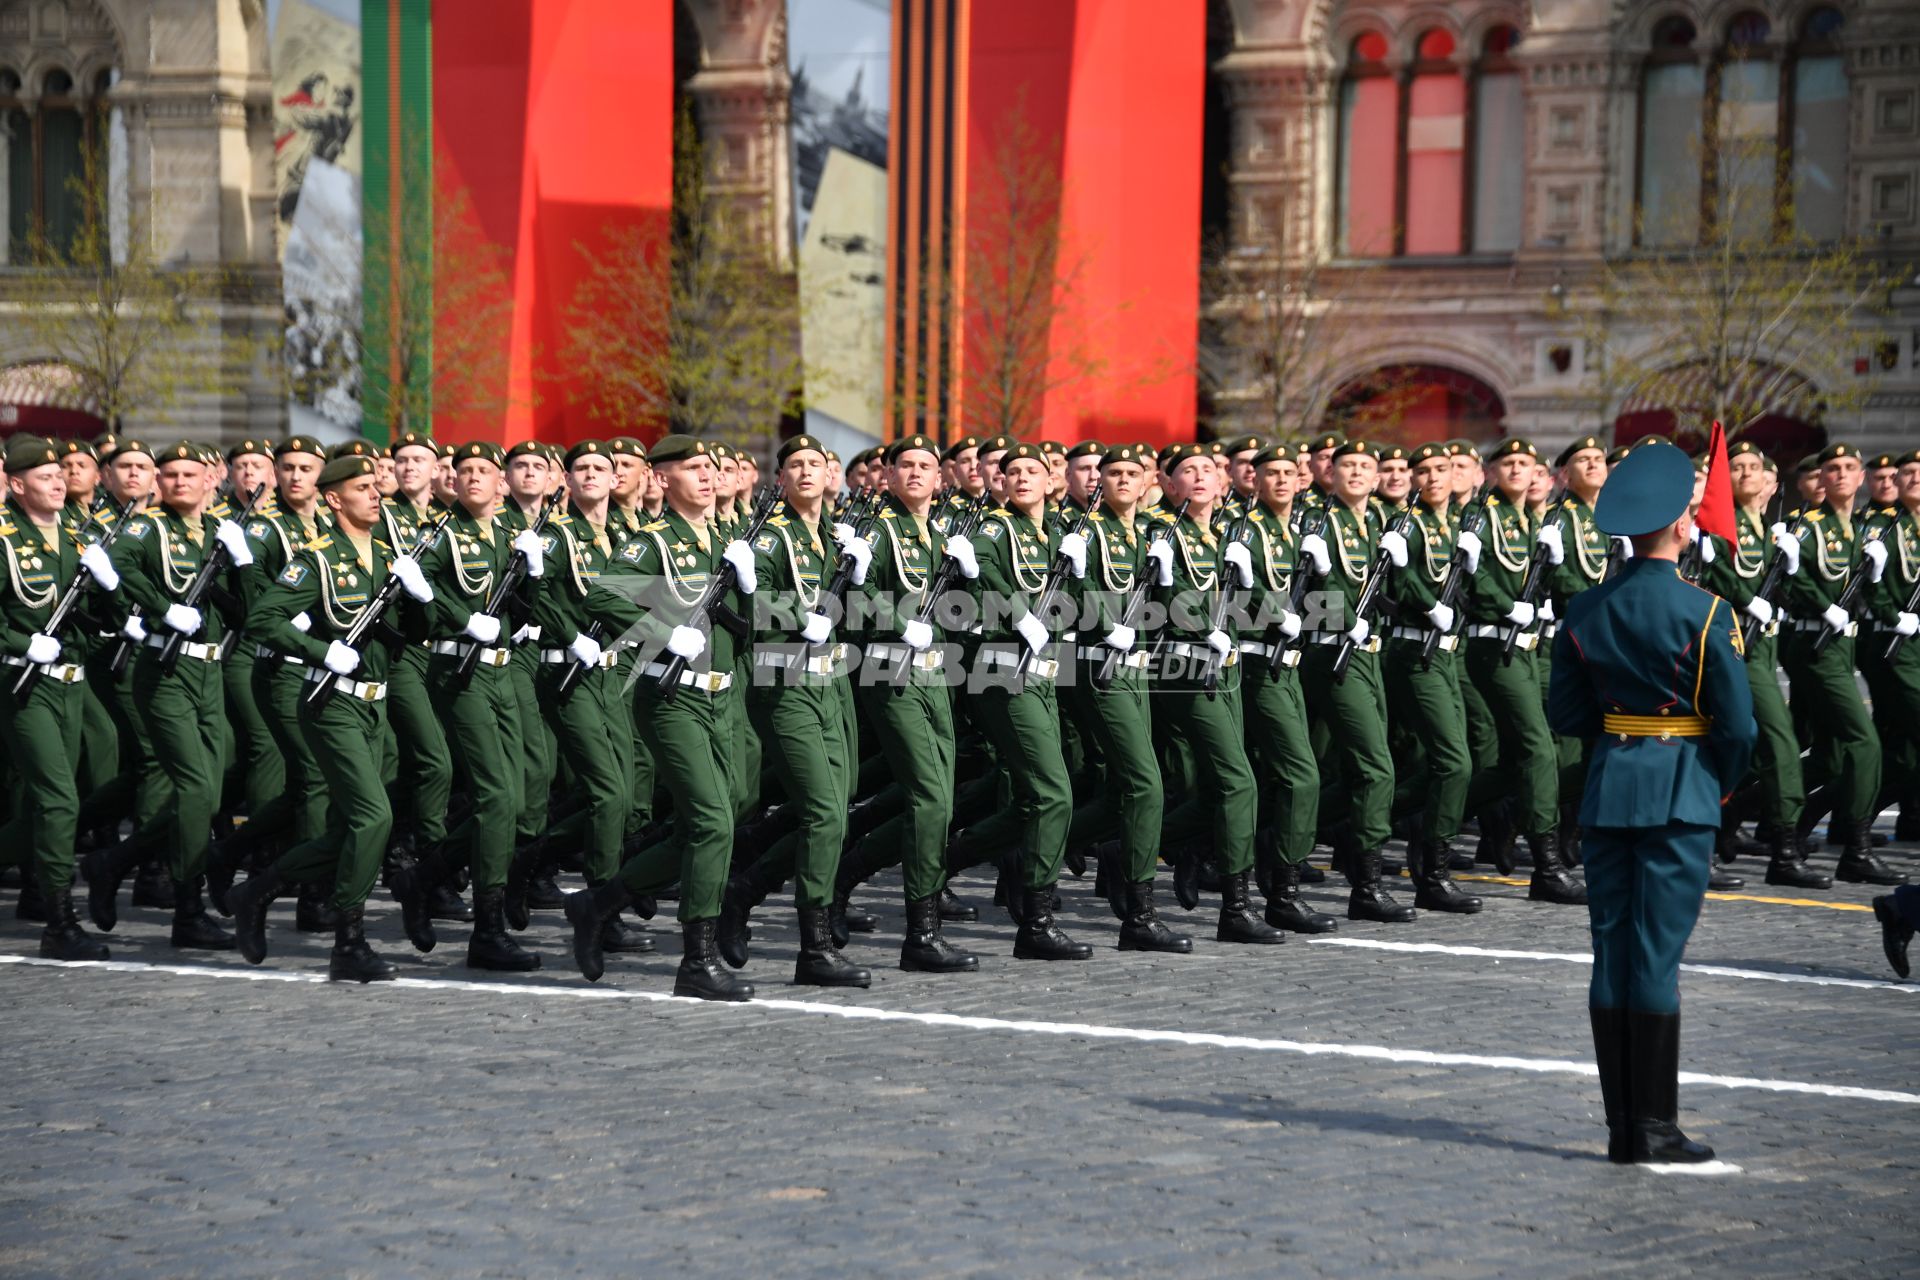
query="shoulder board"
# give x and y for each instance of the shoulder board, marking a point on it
(887, 513)
(8, 529)
(320, 543)
(1816, 516)
(653, 527)
(778, 522)
(559, 517)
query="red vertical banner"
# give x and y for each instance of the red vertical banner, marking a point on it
(1716, 504)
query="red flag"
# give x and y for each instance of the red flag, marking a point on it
(1716, 505)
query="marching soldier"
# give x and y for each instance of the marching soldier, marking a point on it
(1894, 682)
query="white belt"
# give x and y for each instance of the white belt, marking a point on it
(606, 659)
(1181, 649)
(1448, 643)
(1804, 626)
(188, 648)
(926, 660)
(1255, 649)
(1037, 668)
(1498, 631)
(1134, 658)
(264, 653)
(1335, 637)
(62, 672)
(826, 664)
(704, 681)
(488, 657)
(359, 690)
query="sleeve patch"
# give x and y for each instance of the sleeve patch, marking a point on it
(631, 552)
(294, 574)
(994, 530)
(257, 530)
(138, 528)
(763, 543)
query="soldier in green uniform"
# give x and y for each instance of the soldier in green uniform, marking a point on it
(1649, 669)
(331, 582)
(85, 518)
(1894, 683)
(529, 473)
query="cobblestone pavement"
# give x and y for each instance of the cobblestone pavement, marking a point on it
(193, 1122)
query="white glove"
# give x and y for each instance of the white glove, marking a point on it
(740, 556)
(917, 635)
(1033, 632)
(1522, 614)
(528, 544)
(1550, 538)
(686, 642)
(182, 618)
(301, 622)
(1219, 642)
(1441, 616)
(1290, 624)
(819, 627)
(133, 628)
(1394, 543)
(1545, 612)
(43, 648)
(585, 650)
(1876, 553)
(524, 634)
(1314, 547)
(1760, 610)
(1907, 624)
(234, 539)
(97, 562)
(1469, 542)
(1706, 547)
(843, 533)
(1789, 547)
(963, 555)
(341, 659)
(1836, 618)
(1625, 546)
(1241, 559)
(407, 569)
(1360, 631)
(1160, 555)
(1074, 547)
(483, 627)
(859, 550)
(1120, 638)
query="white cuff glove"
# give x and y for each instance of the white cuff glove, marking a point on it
(1624, 546)
(1360, 632)
(43, 648)
(483, 627)
(414, 582)
(1545, 612)
(917, 635)
(1074, 547)
(1394, 543)
(1219, 642)
(1290, 624)
(1522, 614)
(1241, 560)
(585, 650)
(1441, 616)
(300, 622)
(1033, 632)
(858, 549)
(819, 626)
(525, 633)
(97, 562)
(1706, 547)
(843, 533)
(182, 618)
(1469, 542)
(740, 556)
(341, 659)
(1907, 624)
(1549, 537)
(1120, 638)
(234, 539)
(1160, 556)
(686, 642)
(528, 544)
(1314, 547)
(1836, 618)
(1876, 553)
(1789, 548)
(133, 628)
(963, 555)
(1760, 610)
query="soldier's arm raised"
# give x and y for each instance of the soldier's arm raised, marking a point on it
(135, 558)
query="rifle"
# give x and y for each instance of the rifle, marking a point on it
(1136, 600)
(965, 520)
(1472, 520)
(1913, 603)
(1769, 586)
(82, 578)
(1849, 601)
(510, 579)
(1369, 602)
(320, 691)
(724, 579)
(1312, 522)
(863, 513)
(1055, 583)
(211, 567)
(1222, 604)
(1535, 578)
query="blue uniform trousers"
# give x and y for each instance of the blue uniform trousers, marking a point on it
(1645, 888)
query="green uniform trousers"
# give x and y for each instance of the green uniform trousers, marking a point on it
(1428, 703)
(1024, 729)
(1117, 724)
(263, 775)
(425, 762)
(482, 724)
(1845, 746)
(538, 757)
(1776, 750)
(591, 729)
(807, 730)
(99, 743)
(1222, 801)
(1526, 759)
(1286, 776)
(181, 713)
(914, 732)
(1353, 713)
(42, 739)
(276, 691)
(694, 754)
(1644, 893)
(1895, 689)
(348, 738)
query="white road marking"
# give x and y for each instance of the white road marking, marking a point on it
(1576, 957)
(1082, 1030)
(1705, 1169)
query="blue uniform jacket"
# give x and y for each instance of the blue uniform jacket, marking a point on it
(1649, 644)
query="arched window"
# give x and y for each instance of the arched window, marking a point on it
(1367, 182)
(1434, 212)
(44, 154)
(1671, 93)
(1818, 134)
(1746, 127)
(1499, 170)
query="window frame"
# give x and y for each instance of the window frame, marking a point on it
(91, 107)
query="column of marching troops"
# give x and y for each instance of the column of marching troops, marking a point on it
(306, 672)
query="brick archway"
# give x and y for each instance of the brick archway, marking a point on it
(1413, 403)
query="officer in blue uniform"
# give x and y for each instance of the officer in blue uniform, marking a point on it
(1648, 669)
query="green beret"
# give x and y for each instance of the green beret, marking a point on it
(113, 446)
(1907, 459)
(299, 444)
(1809, 463)
(1769, 464)
(1836, 451)
(678, 448)
(1360, 447)
(1430, 450)
(1087, 449)
(1326, 440)
(802, 442)
(180, 451)
(588, 449)
(483, 449)
(527, 449)
(412, 439)
(1617, 456)
(996, 444)
(1740, 448)
(1139, 455)
(1511, 446)
(1021, 450)
(1286, 453)
(444, 448)
(627, 447)
(907, 444)
(352, 449)
(1702, 462)
(258, 448)
(1246, 444)
(1174, 454)
(1880, 460)
(70, 447)
(26, 452)
(1053, 448)
(861, 458)
(1393, 453)
(344, 467)
(1578, 446)
(958, 447)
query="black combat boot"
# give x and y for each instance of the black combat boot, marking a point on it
(1723, 881)
(491, 946)
(414, 881)
(1653, 1091)
(104, 870)
(520, 873)
(1552, 882)
(924, 950)
(1906, 827)
(587, 913)
(618, 938)
(1369, 899)
(352, 960)
(746, 889)
(250, 900)
(954, 909)
(1286, 909)
(857, 863)
(1859, 864)
(1787, 866)
(1433, 886)
(701, 975)
(1610, 1055)
(445, 903)
(63, 938)
(1238, 923)
(193, 928)
(225, 858)
(1140, 926)
(311, 911)
(153, 885)
(1039, 938)
(820, 963)
(1497, 837)
(31, 907)
(1189, 869)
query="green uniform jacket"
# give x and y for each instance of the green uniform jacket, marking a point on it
(1737, 567)
(1506, 544)
(793, 565)
(38, 571)
(653, 582)
(1829, 554)
(1585, 565)
(906, 552)
(328, 582)
(1274, 548)
(157, 560)
(1352, 543)
(1015, 554)
(1415, 590)
(564, 602)
(1889, 597)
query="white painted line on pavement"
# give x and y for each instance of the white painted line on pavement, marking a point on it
(1082, 1030)
(1705, 1169)
(1576, 957)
